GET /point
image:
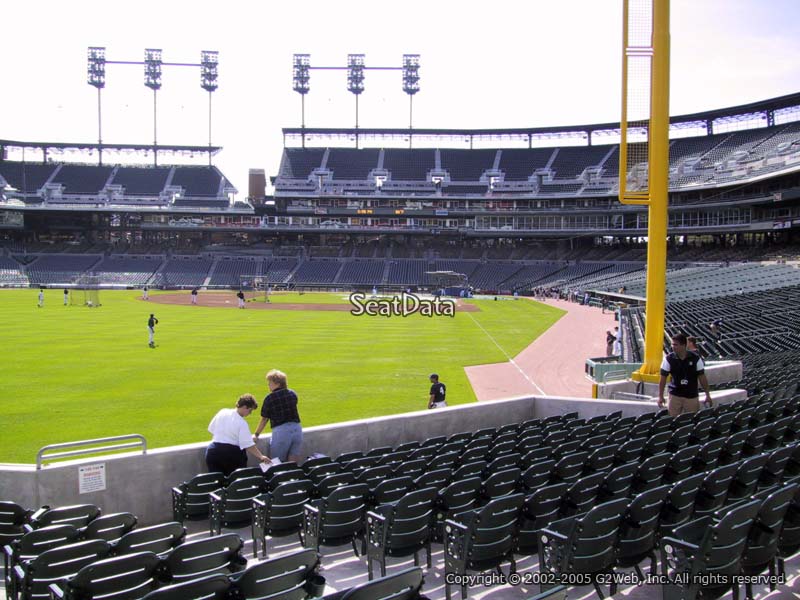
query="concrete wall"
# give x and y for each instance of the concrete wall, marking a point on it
(141, 483)
(719, 372)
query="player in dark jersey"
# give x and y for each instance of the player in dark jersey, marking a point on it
(438, 392)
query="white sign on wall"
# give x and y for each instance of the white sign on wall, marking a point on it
(91, 478)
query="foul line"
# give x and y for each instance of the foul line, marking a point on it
(511, 360)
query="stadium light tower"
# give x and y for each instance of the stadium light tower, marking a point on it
(355, 79)
(301, 64)
(96, 76)
(152, 79)
(209, 59)
(410, 86)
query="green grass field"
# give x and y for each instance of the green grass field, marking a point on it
(74, 373)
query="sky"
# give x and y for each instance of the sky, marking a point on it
(506, 63)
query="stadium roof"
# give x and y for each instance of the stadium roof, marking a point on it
(743, 110)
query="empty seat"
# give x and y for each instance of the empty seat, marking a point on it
(279, 512)
(190, 498)
(118, 578)
(400, 529)
(198, 558)
(481, 540)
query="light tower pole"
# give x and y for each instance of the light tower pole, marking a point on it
(301, 63)
(355, 80)
(152, 79)
(410, 87)
(208, 81)
(96, 76)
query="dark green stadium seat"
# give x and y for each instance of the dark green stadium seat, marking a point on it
(706, 547)
(584, 544)
(158, 539)
(279, 512)
(33, 578)
(110, 527)
(212, 587)
(126, 577)
(12, 520)
(190, 498)
(198, 558)
(336, 519)
(481, 539)
(402, 528)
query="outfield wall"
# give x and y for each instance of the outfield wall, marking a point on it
(140, 483)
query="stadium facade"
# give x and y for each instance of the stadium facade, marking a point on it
(345, 195)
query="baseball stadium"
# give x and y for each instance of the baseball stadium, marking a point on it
(543, 274)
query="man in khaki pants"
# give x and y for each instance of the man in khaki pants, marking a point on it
(686, 369)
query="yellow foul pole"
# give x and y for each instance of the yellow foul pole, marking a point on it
(656, 194)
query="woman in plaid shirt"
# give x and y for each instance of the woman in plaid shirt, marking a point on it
(280, 409)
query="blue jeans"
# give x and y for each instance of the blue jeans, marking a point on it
(287, 439)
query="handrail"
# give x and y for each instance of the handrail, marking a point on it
(41, 455)
(631, 396)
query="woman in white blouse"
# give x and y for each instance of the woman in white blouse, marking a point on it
(231, 439)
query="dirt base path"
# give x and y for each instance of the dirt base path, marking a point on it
(553, 364)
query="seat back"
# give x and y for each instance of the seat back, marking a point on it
(331, 482)
(639, 526)
(237, 498)
(762, 540)
(190, 499)
(411, 468)
(404, 585)
(569, 468)
(679, 504)
(714, 489)
(708, 455)
(390, 490)
(285, 577)
(747, 476)
(110, 527)
(725, 540)
(493, 528)
(630, 451)
(650, 472)
(467, 470)
(79, 515)
(60, 563)
(457, 497)
(437, 478)
(538, 474)
(500, 483)
(126, 577)
(772, 473)
(601, 459)
(12, 519)
(680, 464)
(409, 523)
(217, 554)
(242, 473)
(581, 495)
(343, 512)
(591, 538)
(212, 587)
(618, 482)
(284, 506)
(317, 473)
(41, 540)
(158, 539)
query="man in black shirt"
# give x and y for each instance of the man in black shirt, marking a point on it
(438, 391)
(240, 296)
(610, 339)
(686, 370)
(194, 295)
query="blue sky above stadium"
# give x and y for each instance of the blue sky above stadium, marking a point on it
(483, 65)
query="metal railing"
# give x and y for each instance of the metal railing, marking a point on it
(43, 455)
